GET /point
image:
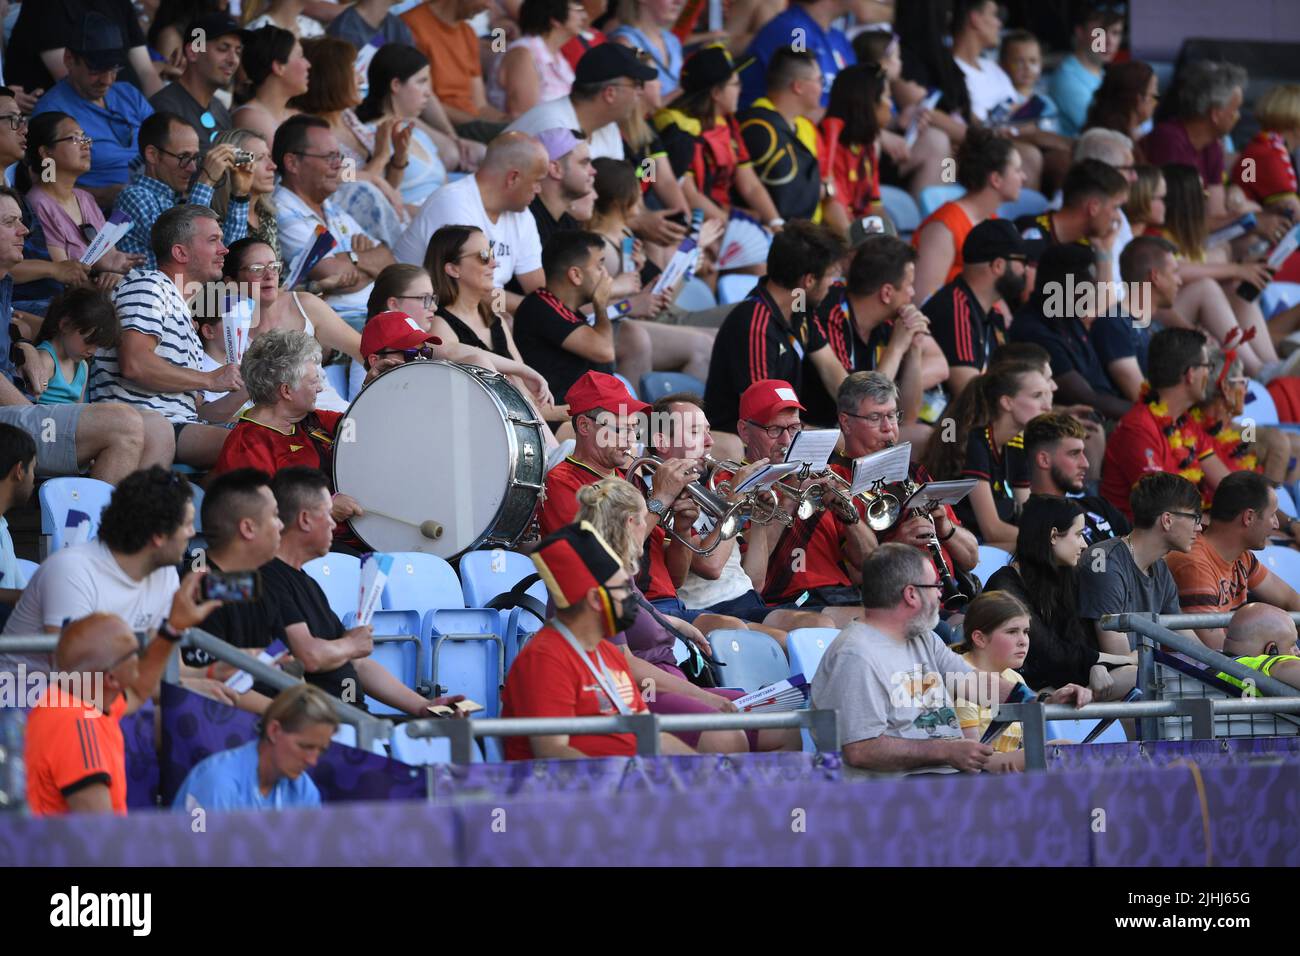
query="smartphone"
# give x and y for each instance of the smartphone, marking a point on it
(678, 217)
(236, 587)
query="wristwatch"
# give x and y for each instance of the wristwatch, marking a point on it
(656, 507)
(167, 633)
(354, 258)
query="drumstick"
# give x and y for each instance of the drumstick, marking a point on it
(430, 529)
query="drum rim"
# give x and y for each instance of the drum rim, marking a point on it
(480, 376)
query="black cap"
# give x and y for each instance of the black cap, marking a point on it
(99, 42)
(213, 26)
(707, 68)
(609, 61)
(992, 239)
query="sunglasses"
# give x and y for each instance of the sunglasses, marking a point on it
(423, 353)
(484, 255)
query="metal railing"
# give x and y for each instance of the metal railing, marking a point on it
(369, 727)
(645, 727)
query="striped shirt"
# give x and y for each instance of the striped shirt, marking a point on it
(149, 302)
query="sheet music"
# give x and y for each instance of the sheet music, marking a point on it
(767, 476)
(888, 465)
(941, 493)
(813, 447)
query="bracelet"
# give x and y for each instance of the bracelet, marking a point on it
(949, 535)
(210, 672)
(243, 198)
(167, 632)
(393, 165)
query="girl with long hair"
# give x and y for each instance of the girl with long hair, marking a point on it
(617, 511)
(995, 640)
(987, 444)
(262, 223)
(1126, 99)
(1043, 576)
(277, 72)
(860, 99)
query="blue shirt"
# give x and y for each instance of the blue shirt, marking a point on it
(147, 198)
(831, 47)
(1072, 86)
(1116, 337)
(670, 72)
(113, 127)
(228, 781)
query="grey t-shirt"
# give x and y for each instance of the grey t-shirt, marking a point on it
(174, 98)
(881, 685)
(1110, 583)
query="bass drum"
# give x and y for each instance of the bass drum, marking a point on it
(438, 442)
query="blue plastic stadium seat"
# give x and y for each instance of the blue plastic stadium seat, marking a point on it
(1077, 730)
(337, 375)
(696, 296)
(1278, 297)
(58, 496)
(932, 197)
(1284, 562)
(419, 751)
(1285, 501)
(735, 286)
(631, 389)
(339, 576)
(806, 645)
(197, 493)
(397, 649)
(1260, 407)
(655, 385)
(486, 575)
(1030, 203)
(752, 659)
(27, 568)
(991, 559)
(901, 208)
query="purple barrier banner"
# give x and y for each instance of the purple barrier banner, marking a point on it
(1206, 753)
(142, 772)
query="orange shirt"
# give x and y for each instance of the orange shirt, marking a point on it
(70, 744)
(452, 51)
(951, 215)
(1207, 584)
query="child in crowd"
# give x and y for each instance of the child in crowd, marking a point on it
(78, 324)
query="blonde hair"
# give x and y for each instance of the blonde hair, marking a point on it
(608, 504)
(221, 190)
(1142, 192)
(297, 708)
(1279, 109)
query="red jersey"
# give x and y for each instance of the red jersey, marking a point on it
(1139, 444)
(561, 508)
(548, 679)
(807, 556)
(251, 444)
(856, 175)
(70, 745)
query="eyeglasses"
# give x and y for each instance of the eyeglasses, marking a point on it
(1194, 515)
(485, 255)
(16, 120)
(876, 418)
(938, 586)
(423, 353)
(182, 159)
(620, 591)
(81, 139)
(265, 268)
(428, 300)
(333, 159)
(776, 431)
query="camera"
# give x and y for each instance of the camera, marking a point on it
(243, 158)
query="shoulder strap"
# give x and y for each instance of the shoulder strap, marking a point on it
(518, 596)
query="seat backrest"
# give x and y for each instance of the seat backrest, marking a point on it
(1260, 407)
(806, 645)
(631, 389)
(1278, 296)
(197, 493)
(735, 286)
(1283, 562)
(1030, 203)
(991, 559)
(58, 496)
(752, 659)
(1077, 730)
(419, 751)
(337, 375)
(695, 296)
(932, 197)
(339, 576)
(901, 207)
(472, 668)
(27, 568)
(421, 582)
(1285, 501)
(655, 385)
(485, 575)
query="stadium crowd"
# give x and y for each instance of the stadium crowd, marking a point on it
(1074, 326)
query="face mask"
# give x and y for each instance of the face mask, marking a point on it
(626, 619)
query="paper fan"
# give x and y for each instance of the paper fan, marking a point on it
(745, 243)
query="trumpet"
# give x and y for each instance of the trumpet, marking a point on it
(764, 507)
(726, 515)
(831, 490)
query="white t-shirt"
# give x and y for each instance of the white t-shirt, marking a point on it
(85, 578)
(606, 142)
(514, 236)
(698, 592)
(988, 86)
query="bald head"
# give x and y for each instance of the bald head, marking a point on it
(1257, 628)
(94, 644)
(514, 151)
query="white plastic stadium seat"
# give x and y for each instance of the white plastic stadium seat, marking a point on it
(902, 209)
(1284, 562)
(991, 559)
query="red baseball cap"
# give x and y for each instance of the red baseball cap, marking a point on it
(762, 400)
(598, 390)
(393, 330)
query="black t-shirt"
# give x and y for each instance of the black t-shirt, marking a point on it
(542, 324)
(783, 163)
(548, 225)
(835, 323)
(57, 25)
(1004, 471)
(1067, 342)
(301, 601)
(1101, 519)
(252, 625)
(1059, 654)
(467, 336)
(755, 342)
(964, 331)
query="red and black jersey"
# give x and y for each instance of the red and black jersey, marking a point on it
(835, 322)
(964, 331)
(756, 341)
(542, 324)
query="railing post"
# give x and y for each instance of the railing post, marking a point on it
(825, 729)
(1035, 736)
(1148, 727)
(1201, 710)
(646, 729)
(462, 741)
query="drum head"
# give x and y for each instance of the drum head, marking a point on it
(426, 441)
